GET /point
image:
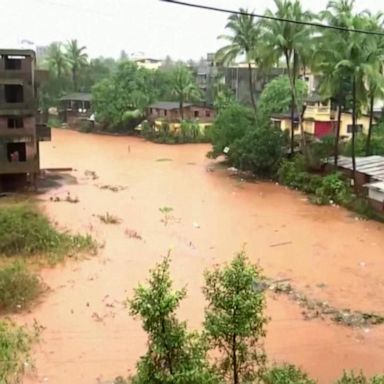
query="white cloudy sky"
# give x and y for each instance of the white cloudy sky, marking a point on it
(148, 26)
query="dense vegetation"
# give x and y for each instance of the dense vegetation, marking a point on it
(234, 328)
(24, 231)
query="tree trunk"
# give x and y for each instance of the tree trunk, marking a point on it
(292, 134)
(337, 136)
(74, 78)
(181, 107)
(234, 360)
(251, 86)
(168, 352)
(354, 118)
(368, 144)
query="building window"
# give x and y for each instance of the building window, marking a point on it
(196, 113)
(277, 124)
(207, 113)
(150, 111)
(165, 112)
(15, 123)
(295, 126)
(12, 63)
(358, 129)
(13, 93)
(16, 152)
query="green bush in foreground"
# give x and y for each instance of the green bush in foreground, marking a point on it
(174, 354)
(15, 345)
(286, 374)
(26, 232)
(18, 287)
(352, 378)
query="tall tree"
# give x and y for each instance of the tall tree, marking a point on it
(335, 82)
(289, 40)
(56, 60)
(183, 86)
(77, 58)
(242, 41)
(234, 319)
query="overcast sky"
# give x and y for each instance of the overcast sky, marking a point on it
(150, 27)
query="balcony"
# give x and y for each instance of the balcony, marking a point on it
(7, 167)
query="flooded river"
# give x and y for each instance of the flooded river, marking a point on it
(89, 336)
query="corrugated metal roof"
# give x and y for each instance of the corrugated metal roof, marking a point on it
(169, 105)
(378, 186)
(77, 96)
(372, 166)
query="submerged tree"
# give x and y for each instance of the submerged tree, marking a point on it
(174, 356)
(234, 319)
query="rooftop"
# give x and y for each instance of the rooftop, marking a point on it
(18, 52)
(168, 105)
(77, 96)
(378, 186)
(315, 98)
(372, 166)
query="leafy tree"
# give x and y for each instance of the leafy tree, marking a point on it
(259, 151)
(183, 86)
(56, 60)
(242, 41)
(276, 96)
(231, 124)
(286, 374)
(121, 99)
(234, 319)
(175, 356)
(77, 59)
(97, 70)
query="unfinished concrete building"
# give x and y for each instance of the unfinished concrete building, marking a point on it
(21, 127)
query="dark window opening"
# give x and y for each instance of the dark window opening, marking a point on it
(151, 111)
(207, 113)
(13, 93)
(358, 128)
(15, 123)
(87, 105)
(295, 126)
(12, 63)
(16, 152)
(165, 112)
(196, 113)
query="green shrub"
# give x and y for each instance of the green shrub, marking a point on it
(54, 122)
(18, 287)
(86, 126)
(377, 144)
(259, 151)
(293, 172)
(333, 188)
(231, 124)
(286, 374)
(352, 378)
(26, 232)
(15, 347)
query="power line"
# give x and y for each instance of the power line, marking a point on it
(244, 13)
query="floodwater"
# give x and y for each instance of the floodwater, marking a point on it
(89, 336)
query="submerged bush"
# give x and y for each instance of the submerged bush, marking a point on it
(18, 287)
(15, 346)
(352, 378)
(333, 188)
(26, 232)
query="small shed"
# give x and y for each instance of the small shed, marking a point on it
(376, 195)
(75, 107)
(369, 169)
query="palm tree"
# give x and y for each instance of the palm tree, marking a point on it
(183, 86)
(242, 41)
(355, 65)
(290, 41)
(374, 70)
(334, 81)
(77, 59)
(56, 60)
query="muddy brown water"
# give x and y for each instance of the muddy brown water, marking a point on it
(89, 336)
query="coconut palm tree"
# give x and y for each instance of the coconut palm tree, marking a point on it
(56, 60)
(243, 39)
(290, 41)
(374, 70)
(77, 59)
(334, 82)
(183, 86)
